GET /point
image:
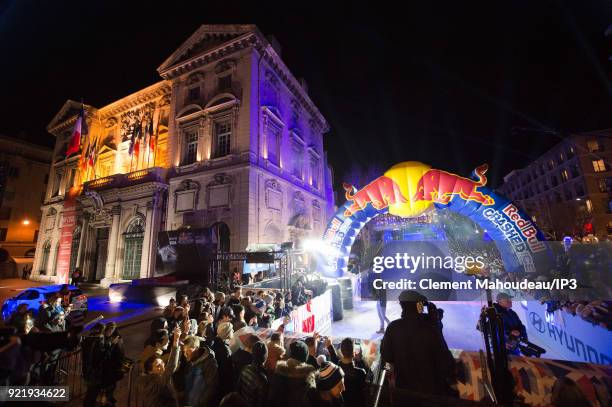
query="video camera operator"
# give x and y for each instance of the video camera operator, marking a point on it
(514, 330)
(416, 350)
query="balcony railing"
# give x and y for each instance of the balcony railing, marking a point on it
(154, 174)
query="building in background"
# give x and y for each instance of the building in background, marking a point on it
(568, 190)
(228, 139)
(24, 172)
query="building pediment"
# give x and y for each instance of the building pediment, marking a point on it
(206, 39)
(67, 116)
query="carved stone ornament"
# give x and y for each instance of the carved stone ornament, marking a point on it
(273, 184)
(134, 117)
(220, 179)
(96, 200)
(188, 184)
(298, 196)
(273, 195)
(111, 122)
(194, 78)
(164, 101)
(316, 204)
(224, 66)
(101, 218)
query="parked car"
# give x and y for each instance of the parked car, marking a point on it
(35, 295)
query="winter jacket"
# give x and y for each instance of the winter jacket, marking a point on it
(201, 380)
(224, 361)
(290, 384)
(275, 353)
(252, 385)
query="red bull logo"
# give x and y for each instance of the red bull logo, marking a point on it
(441, 187)
(380, 193)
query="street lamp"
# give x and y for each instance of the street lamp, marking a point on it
(26, 221)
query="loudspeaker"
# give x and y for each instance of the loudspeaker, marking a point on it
(338, 312)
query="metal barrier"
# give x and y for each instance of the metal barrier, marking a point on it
(64, 369)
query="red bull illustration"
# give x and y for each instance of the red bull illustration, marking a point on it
(441, 187)
(411, 188)
(380, 193)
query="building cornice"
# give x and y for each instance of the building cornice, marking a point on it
(140, 97)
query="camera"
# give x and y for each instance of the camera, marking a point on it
(530, 349)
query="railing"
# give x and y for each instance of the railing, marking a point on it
(153, 174)
(64, 369)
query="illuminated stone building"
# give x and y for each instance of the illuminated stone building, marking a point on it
(240, 146)
(24, 173)
(568, 190)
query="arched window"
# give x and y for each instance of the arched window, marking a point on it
(44, 261)
(74, 248)
(57, 246)
(133, 238)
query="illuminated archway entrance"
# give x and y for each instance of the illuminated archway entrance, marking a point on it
(409, 189)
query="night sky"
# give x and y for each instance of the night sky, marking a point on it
(452, 84)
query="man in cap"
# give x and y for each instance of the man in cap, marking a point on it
(513, 327)
(419, 358)
(292, 379)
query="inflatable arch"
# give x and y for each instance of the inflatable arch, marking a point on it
(411, 188)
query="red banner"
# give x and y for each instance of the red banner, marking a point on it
(69, 218)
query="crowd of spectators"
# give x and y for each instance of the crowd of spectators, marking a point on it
(187, 358)
(31, 346)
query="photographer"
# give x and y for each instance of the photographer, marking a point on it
(419, 357)
(514, 330)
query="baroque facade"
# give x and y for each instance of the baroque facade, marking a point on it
(240, 145)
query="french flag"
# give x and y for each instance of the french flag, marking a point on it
(80, 130)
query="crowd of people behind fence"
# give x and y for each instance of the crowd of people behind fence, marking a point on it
(31, 346)
(187, 360)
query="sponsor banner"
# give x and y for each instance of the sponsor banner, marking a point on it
(314, 316)
(569, 336)
(67, 226)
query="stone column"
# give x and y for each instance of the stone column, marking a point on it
(82, 242)
(148, 239)
(113, 240)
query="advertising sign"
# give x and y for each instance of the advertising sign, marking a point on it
(569, 336)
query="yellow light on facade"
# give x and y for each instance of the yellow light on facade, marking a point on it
(26, 222)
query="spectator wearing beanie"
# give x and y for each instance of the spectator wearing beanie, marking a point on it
(292, 379)
(276, 351)
(253, 381)
(223, 355)
(355, 377)
(330, 386)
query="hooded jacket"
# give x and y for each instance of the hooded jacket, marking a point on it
(201, 379)
(290, 383)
